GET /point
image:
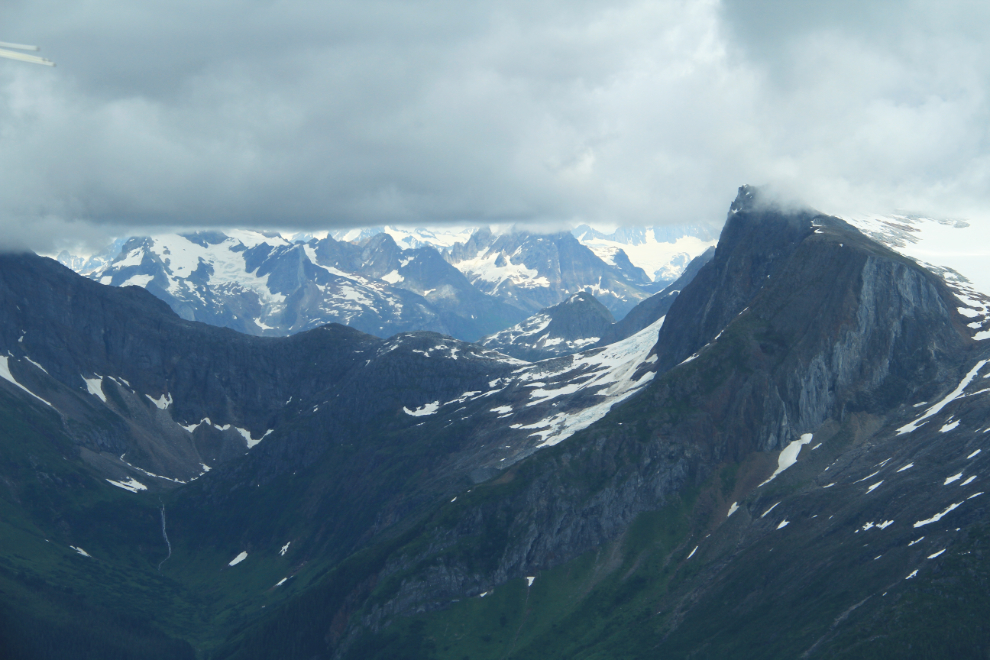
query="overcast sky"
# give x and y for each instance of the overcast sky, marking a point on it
(317, 114)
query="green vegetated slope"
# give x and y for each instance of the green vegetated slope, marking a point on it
(57, 602)
(126, 597)
(813, 591)
(129, 597)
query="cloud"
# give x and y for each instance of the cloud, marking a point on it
(319, 114)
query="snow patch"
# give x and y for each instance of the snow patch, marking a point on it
(238, 559)
(955, 477)
(692, 552)
(163, 402)
(392, 277)
(732, 509)
(251, 442)
(131, 484)
(95, 387)
(81, 551)
(138, 280)
(952, 396)
(783, 524)
(788, 456)
(285, 548)
(427, 409)
(6, 375)
(939, 516)
(936, 554)
(34, 363)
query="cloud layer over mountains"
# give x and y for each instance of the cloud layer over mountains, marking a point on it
(310, 114)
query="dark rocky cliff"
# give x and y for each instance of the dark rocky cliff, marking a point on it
(814, 323)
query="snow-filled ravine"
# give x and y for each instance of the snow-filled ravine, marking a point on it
(579, 389)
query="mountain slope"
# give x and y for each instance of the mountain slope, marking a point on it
(246, 441)
(801, 432)
(835, 349)
(578, 322)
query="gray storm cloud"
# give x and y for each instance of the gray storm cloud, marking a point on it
(319, 114)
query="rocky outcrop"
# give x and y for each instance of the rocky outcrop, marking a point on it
(797, 320)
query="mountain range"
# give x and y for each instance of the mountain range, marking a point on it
(460, 282)
(781, 457)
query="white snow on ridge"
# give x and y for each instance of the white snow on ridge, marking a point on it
(7, 376)
(182, 257)
(608, 370)
(437, 237)
(482, 268)
(952, 396)
(238, 559)
(33, 362)
(963, 247)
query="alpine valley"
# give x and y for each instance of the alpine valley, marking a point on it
(477, 445)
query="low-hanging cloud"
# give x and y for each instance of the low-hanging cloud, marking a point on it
(319, 114)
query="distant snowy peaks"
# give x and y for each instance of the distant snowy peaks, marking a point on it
(461, 281)
(661, 252)
(409, 238)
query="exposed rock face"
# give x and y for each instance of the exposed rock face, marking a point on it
(575, 324)
(798, 320)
